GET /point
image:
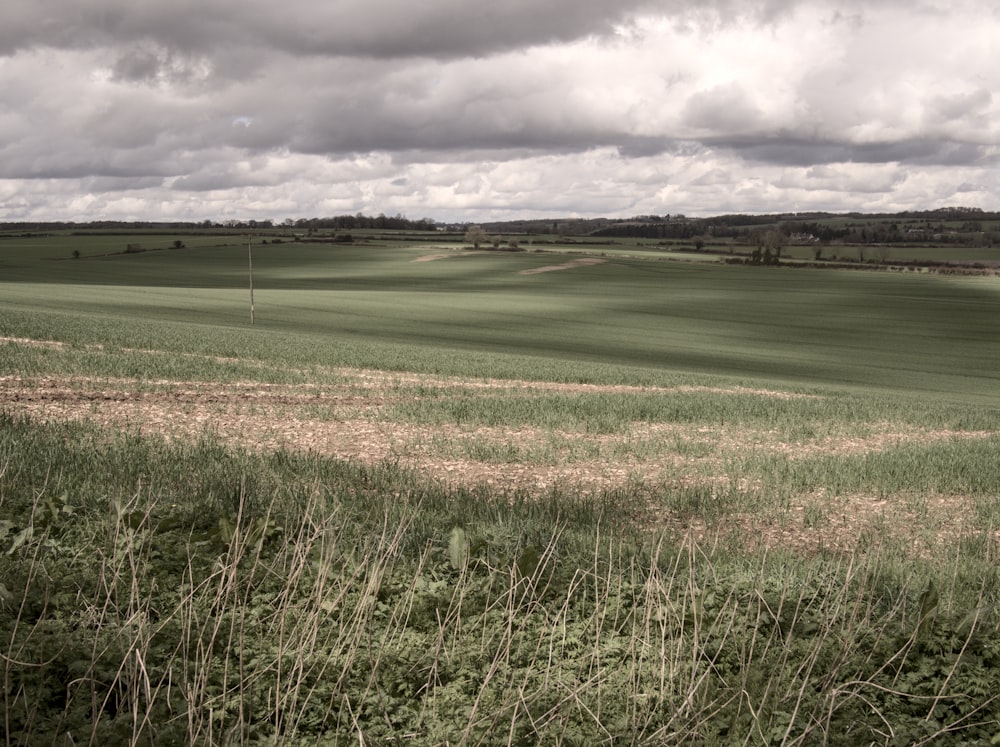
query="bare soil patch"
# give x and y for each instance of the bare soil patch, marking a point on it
(52, 345)
(582, 262)
(351, 416)
(349, 420)
(918, 526)
(445, 254)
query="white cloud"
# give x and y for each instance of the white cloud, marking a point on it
(454, 110)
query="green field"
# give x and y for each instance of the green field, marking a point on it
(372, 305)
(587, 495)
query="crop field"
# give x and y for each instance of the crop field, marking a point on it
(483, 313)
(442, 496)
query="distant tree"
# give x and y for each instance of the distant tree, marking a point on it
(178, 244)
(76, 254)
(775, 241)
(476, 236)
(767, 246)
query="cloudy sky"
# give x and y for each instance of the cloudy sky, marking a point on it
(474, 110)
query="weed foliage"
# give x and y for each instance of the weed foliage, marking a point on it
(191, 594)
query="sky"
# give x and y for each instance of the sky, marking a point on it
(468, 110)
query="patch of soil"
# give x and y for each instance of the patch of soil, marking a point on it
(445, 254)
(353, 418)
(349, 420)
(583, 262)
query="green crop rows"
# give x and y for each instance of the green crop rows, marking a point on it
(470, 313)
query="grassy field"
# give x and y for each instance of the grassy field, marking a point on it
(435, 496)
(362, 305)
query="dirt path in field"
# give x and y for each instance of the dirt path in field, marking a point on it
(583, 262)
(445, 254)
(371, 416)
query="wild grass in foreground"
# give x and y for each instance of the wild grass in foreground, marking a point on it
(192, 594)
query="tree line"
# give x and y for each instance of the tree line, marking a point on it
(958, 225)
(340, 222)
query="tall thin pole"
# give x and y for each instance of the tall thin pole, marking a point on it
(250, 263)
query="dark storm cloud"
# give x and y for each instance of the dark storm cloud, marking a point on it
(643, 146)
(378, 28)
(921, 152)
(152, 64)
(354, 136)
(372, 28)
(67, 163)
(121, 184)
(788, 150)
(139, 65)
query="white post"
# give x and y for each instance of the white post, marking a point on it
(250, 262)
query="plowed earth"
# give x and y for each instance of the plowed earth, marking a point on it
(357, 418)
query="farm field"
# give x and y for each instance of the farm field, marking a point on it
(436, 496)
(369, 305)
